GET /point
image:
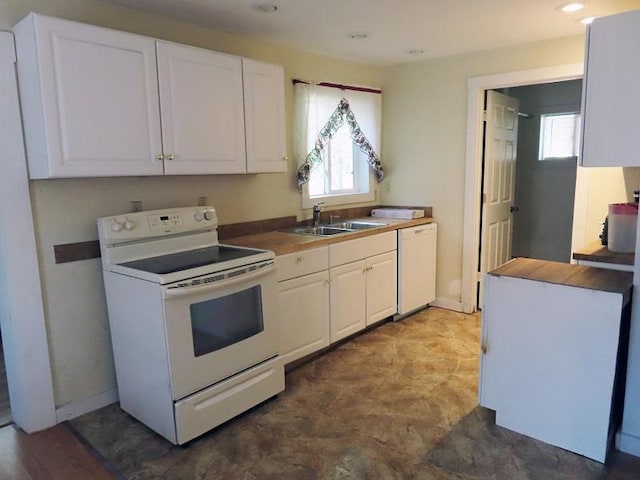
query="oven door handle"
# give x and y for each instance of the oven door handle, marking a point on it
(223, 283)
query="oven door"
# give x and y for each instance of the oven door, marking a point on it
(219, 324)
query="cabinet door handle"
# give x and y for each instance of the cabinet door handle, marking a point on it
(160, 157)
(170, 157)
(299, 259)
(285, 158)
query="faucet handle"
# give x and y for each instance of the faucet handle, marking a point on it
(316, 207)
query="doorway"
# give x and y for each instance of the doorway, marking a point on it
(544, 188)
(473, 186)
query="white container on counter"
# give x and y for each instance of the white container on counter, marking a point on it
(623, 218)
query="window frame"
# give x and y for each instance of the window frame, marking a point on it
(364, 180)
(576, 133)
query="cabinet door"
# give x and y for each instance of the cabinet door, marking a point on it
(264, 117)
(382, 286)
(202, 110)
(304, 315)
(611, 99)
(348, 290)
(89, 98)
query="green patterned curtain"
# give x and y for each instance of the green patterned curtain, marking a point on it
(336, 120)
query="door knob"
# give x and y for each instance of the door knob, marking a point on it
(514, 209)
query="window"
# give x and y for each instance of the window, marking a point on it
(343, 171)
(344, 175)
(559, 136)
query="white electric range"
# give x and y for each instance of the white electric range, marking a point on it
(193, 322)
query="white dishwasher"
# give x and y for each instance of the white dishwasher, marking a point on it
(416, 267)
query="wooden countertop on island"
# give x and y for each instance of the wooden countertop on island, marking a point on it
(282, 242)
(567, 274)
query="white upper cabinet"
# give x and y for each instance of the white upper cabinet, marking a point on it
(202, 110)
(611, 98)
(100, 102)
(264, 116)
(89, 100)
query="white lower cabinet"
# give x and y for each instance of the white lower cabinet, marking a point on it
(364, 283)
(382, 287)
(303, 302)
(348, 293)
(304, 315)
(328, 293)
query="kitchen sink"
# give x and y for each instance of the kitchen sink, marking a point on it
(322, 231)
(357, 225)
(335, 228)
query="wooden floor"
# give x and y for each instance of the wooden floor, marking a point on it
(53, 454)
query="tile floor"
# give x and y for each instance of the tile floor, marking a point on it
(397, 402)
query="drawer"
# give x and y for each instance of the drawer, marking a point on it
(208, 408)
(352, 250)
(302, 263)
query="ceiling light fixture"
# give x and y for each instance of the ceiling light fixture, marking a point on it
(586, 20)
(570, 7)
(357, 35)
(265, 7)
(415, 51)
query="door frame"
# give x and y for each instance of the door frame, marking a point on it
(476, 87)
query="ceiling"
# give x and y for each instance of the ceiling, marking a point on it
(393, 27)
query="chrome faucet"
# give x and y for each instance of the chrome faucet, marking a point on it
(316, 214)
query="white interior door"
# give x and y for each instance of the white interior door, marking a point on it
(498, 188)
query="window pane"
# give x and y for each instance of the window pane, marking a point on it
(559, 135)
(316, 182)
(341, 158)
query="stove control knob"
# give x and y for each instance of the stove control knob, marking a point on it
(198, 216)
(116, 226)
(208, 215)
(128, 225)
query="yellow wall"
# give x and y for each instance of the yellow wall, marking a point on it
(65, 210)
(423, 148)
(424, 135)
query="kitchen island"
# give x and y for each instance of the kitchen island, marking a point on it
(554, 348)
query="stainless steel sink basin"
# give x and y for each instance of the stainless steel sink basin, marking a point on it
(335, 228)
(357, 225)
(322, 231)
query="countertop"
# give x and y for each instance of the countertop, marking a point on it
(567, 274)
(596, 252)
(284, 242)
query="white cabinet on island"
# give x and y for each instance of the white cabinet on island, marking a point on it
(554, 346)
(610, 98)
(101, 102)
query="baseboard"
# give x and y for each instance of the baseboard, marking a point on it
(628, 443)
(86, 405)
(448, 304)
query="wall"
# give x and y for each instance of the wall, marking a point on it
(424, 128)
(65, 209)
(545, 191)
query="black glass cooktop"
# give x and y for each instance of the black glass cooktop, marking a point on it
(176, 262)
